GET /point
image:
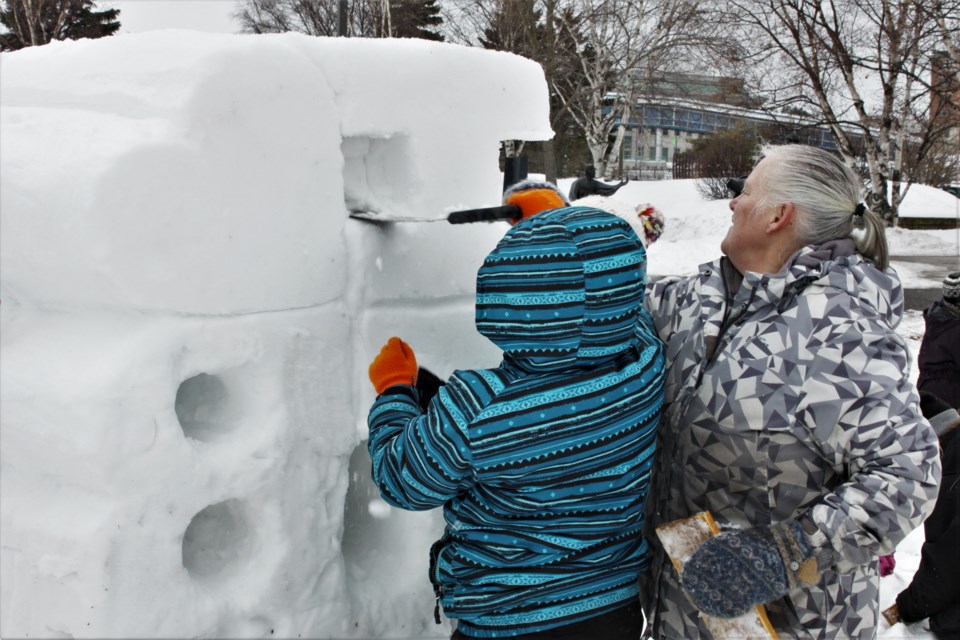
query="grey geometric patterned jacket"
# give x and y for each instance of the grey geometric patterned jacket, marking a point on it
(791, 400)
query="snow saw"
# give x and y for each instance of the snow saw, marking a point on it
(484, 214)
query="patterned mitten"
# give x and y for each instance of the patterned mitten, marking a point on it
(395, 364)
(733, 571)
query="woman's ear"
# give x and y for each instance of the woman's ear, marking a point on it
(782, 218)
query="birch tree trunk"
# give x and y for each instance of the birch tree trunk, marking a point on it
(829, 52)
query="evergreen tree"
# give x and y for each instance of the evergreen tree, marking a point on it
(36, 22)
(416, 19)
(529, 28)
(515, 27)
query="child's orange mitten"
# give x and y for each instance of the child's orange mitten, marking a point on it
(395, 364)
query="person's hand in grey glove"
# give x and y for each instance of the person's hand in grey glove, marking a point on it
(734, 571)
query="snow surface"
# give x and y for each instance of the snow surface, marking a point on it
(188, 315)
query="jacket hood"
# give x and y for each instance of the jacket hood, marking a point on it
(837, 265)
(563, 289)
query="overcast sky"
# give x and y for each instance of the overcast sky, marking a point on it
(146, 15)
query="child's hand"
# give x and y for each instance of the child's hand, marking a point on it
(395, 364)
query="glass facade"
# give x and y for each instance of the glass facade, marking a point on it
(657, 132)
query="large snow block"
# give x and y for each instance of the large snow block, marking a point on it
(192, 471)
(231, 160)
(205, 160)
(423, 100)
(417, 260)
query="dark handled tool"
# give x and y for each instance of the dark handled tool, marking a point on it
(515, 170)
(485, 214)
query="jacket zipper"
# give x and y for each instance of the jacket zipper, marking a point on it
(437, 588)
(439, 546)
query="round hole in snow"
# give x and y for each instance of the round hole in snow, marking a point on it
(202, 407)
(219, 538)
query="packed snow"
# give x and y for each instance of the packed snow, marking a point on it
(188, 313)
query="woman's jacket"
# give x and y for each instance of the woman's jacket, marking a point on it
(934, 592)
(787, 396)
(939, 359)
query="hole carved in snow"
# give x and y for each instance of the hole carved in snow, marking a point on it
(377, 173)
(203, 407)
(218, 540)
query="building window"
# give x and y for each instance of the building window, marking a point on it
(653, 153)
(628, 147)
(666, 154)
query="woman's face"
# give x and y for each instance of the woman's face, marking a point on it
(747, 239)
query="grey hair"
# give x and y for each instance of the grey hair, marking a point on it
(826, 193)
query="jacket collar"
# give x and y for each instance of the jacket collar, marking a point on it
(834, 264)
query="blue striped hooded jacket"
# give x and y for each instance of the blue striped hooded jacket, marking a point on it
(542, 464)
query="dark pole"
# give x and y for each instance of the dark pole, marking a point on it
(514, 170)
(342, 18)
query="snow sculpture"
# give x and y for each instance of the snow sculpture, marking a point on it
(188, 314)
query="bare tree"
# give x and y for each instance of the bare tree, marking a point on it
(857, 65)
(466, 20)
(593, 53)
(946, 14)
(312, 17)
(619, 42)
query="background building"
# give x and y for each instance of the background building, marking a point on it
(945, 95)
(681, 108)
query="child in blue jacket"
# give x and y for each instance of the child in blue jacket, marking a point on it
(542, 464)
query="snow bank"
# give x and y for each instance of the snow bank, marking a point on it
(694, 227)
(188, 314)
(924, 201)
